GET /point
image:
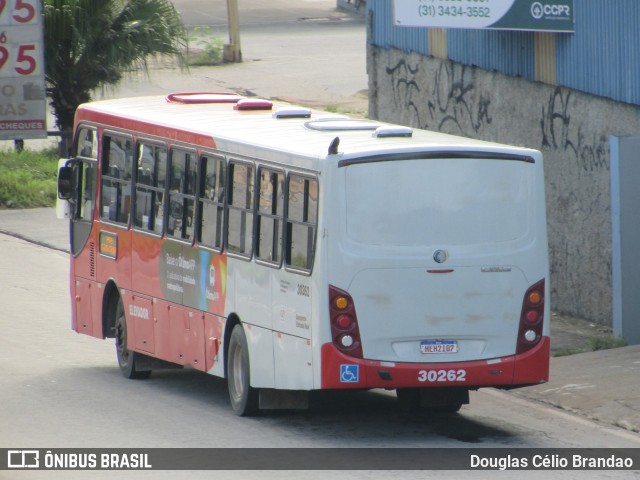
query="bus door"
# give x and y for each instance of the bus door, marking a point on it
(77, 185)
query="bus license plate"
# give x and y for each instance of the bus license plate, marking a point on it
(439, 346)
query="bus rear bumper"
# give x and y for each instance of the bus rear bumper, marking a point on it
(340, 371)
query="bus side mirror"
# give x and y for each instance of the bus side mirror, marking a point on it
(66, 186)
(65, 183)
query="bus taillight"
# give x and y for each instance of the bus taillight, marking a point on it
(344, 323)
(531, 318)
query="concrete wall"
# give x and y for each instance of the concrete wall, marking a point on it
(572, 130)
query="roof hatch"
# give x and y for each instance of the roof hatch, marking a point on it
(341, 124)
(253, 104)
(292, 112)
(393, 131)
(203, 97)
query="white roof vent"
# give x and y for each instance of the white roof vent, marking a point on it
(292, 112)
(393, 131)
(341, 124)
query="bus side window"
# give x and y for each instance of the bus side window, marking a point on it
(240, 209)
(117, 157)
(211, 201)
(182, 195)
(150, 185)
(87, 143)
(302, 220)
(86, 151)
(88, 194)
(270, 216)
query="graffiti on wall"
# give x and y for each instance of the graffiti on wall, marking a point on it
(456, 101)
(558, 133)
(454, 104)
(406, 91)
(449, 100)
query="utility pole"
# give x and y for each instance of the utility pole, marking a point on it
(232, 52)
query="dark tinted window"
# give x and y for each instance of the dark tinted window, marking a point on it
(270, 215)
(182, 191)
(150, 186)
(302, 219)
(211, 201)
(117, 156)
(241, 198)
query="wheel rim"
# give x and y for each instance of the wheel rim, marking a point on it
(121, 340)
(238, 372)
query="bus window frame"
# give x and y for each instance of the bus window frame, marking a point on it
(103, 152)
(196, 159)
(200, 200)
(139, 141)
(248, 209)
(80, 161)
(287, 220)
(282, 218)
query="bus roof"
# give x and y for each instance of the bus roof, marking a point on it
(223, 123)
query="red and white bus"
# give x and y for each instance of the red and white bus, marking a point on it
(289, 251)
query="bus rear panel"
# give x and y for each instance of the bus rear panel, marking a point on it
(443, 259)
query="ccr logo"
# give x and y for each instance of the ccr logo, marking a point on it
(538, 10)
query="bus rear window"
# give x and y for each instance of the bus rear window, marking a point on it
(437, 202)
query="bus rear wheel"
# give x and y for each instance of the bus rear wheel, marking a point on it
(244, 398)
(126, 358)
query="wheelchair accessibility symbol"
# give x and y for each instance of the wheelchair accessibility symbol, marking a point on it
(349, 373)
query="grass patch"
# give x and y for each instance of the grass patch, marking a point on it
(205, 48)
(28, 179)
(593, 344)
(605, 343)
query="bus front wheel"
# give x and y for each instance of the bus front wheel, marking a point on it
(126, 358)
(244, 398)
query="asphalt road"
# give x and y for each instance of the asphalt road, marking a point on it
(60, 389)
(252, 13)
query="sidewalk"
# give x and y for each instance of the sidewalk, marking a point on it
(599, 385)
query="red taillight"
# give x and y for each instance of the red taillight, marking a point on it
(343, 321)
(345, 333)
(531, 318)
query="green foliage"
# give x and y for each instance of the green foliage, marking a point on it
(605, 343)
(205, 48)
(595, 343)
(564, 352)
(92, 43)
(28, 179)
